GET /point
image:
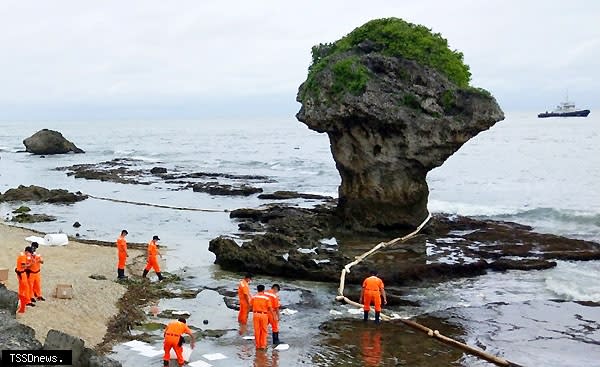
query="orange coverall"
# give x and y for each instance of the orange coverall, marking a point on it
(173, 332)
(122, 252)
(152, 259)
(243, 294)
(35, 278)
(261, 308)
(372, 285)
(23, 263)
(273, 316)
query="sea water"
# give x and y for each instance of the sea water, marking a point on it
(540, 172)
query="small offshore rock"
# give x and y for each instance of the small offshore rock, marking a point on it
(41, 194)
(22, 209)
(32, 218)
(76, 224)
(158, 170)
(49, 142)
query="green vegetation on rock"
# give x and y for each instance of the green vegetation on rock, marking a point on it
(410, 100)
(392, 37)
(349, 74)
(448, 100)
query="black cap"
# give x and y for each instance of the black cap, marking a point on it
(35, 245)
(124, 232)
(28, 249)
(155, 238)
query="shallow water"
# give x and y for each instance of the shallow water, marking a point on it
(538, 172)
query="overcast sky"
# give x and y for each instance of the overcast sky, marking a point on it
(142, 59)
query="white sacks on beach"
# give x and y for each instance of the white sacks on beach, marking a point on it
(39, 240)
(51, 239)
(56, 239)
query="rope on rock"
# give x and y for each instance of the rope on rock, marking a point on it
(432, 333)
(159, 206)
(379, 246)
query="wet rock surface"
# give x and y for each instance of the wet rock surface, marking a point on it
(32, 218)
(134, 171)
(119, 170)
(285, 195)
(215, 188)
(310, 244)
(49, 142)
(42, 195)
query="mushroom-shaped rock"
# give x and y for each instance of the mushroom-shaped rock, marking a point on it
(396, 103)
(49, 142)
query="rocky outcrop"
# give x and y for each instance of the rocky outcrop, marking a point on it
(32, 218)
(303, 243)
(8, 300)
(41, 194)
(49, 142)
(215, 188)
(57, 340)
(285, 195)
(16, 336)
(133, 171)
(158, 170)
(393, 110)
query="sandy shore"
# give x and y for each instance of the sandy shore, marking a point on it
(93, 304)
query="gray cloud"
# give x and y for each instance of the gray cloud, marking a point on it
(182, 53)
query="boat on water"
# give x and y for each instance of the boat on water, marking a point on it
(565, 109)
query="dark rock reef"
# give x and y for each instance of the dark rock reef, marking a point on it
(133, 171)
(286, 195)
(311, 244)
(215, 188)
(42, 195)
(395, 103)
(49, 142)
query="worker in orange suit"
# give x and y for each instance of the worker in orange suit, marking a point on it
(122, 253)
(274, 315)
(261, 308)
(372, 291)
(174, 340)
(371, 347)
(35, 277)
(22, 268)
(245, 299)
(152, 262)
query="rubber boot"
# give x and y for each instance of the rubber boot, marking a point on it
(165, 363)
(276, 338)
(366, 316)
(160, 277)
(33, 300)
(144, 273)
(377, 314)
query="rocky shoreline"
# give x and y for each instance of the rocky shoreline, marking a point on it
(16, 336)
(313, 244)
